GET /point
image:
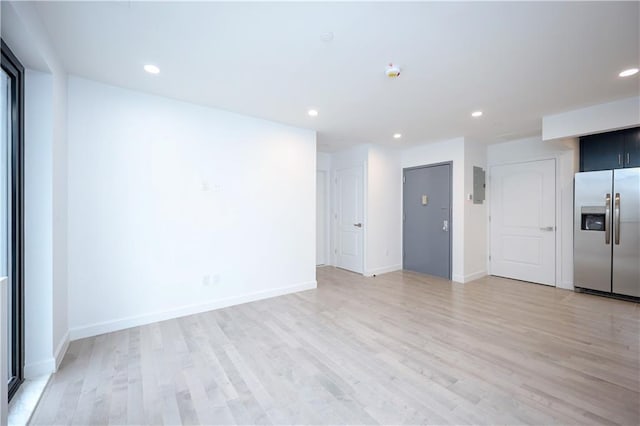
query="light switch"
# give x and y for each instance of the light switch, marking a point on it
(425, 200)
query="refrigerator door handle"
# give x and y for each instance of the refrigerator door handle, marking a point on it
(616, 218)
(607, 219)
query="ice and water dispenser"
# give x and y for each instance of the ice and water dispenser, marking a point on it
(593, 218)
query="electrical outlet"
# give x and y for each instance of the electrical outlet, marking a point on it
(206, 280)
(216, 279)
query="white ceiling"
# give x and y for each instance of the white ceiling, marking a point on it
(515, 61)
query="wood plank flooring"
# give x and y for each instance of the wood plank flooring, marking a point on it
(400, 348)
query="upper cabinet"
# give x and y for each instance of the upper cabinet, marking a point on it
(613, 150)
(632, 148)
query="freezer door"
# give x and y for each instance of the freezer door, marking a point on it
(592, 230)
(626, 231)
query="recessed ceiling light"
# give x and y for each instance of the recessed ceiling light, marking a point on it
(629, 72)
(397, 135)
(476, 114)
(151, 69)
(313, 112)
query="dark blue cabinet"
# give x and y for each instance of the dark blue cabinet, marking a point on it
(613, 150)
(632, 148)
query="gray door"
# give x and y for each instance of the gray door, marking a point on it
(427, 220)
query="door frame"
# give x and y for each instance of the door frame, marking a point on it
(327, 215)
(444, 163)
(14, 68)
(561, 174)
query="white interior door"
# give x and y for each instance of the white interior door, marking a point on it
(349, 223)
(321, 218)
(523, 225)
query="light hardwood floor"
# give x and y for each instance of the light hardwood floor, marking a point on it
(401, 348)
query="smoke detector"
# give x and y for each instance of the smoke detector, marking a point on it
(393, 71)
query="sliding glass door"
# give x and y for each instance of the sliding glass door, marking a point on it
(11, 206)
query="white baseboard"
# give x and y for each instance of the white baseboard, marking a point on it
(383, 270)
(61, 350)
(96, 329)
(474, 276)
(50, 365)
(457, 278)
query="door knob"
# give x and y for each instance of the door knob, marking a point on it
(547, 228)
(445, 225)
(357, 225)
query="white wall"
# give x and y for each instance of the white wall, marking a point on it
(176, 208)
(599, 118)
(383, 252)
(475, 216)
(60, 225)
(566, 154)
(449, 150)
(323, 161)
(38, 223)
(45, 273)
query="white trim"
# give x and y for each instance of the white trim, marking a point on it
(382, 270)
(95, 329)
(457, 278)
(4, 396)
(474, 276)
(26, 400)
(325, 195)
(49, 365)
(566, 285)
(327, 223)
(365, 211)
(61, 350)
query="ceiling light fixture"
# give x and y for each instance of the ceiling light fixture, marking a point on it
(313, 113)
(152, 69)
(476, 114)
(392, 71)
(629, 72)
(397, 135)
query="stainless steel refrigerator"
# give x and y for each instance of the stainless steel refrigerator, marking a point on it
(607, 231)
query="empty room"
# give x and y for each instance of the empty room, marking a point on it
(323, 213)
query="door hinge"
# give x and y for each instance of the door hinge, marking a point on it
(404, 217)
(489, 218)
(335, 251)
(404, 179)
(489, 257)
